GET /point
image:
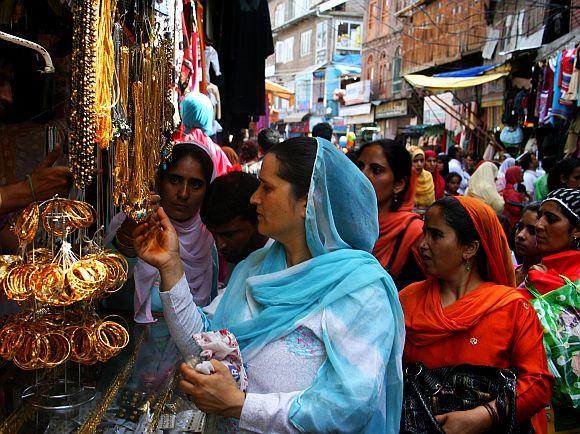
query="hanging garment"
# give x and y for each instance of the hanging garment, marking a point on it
(211, 61)
(571, 146)
(558, 110)
(568, 63)
(214, 96)
(571, 93)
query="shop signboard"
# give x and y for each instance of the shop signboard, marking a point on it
(391, 109)
(433, 113)
(355, 110)
(357, 93)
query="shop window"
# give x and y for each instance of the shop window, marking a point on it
(372, 15)
(289, 49)
(370, 67)
(279, 15)
(385, 12)
(279, 52)
(321, 35)
(397, 79)
(383, 72)
(348, 36)
(305, 42)
(301, 7)
(285, 50)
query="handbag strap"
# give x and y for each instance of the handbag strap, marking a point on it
(421, 398)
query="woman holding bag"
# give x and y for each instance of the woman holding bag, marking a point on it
(467, 312)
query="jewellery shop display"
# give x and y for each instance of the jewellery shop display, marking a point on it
(143, 115)
(92, 89)
(57, 290)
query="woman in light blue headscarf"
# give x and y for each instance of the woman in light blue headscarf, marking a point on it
(317, 318)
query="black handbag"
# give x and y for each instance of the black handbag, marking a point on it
(432, 392)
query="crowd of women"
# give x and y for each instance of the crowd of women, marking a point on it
(371, 274)
(346, 285)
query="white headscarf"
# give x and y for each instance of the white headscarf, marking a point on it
(482, 186)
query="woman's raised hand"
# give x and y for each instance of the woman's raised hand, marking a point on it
(156, 243)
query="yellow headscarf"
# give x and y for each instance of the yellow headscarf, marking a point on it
(425, 192)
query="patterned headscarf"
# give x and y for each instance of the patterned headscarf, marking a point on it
(569, 199)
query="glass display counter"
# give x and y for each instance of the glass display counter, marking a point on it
(135, 391)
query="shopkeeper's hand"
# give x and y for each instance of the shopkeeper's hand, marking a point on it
(157, 244)
(216, 393)
(48, 180)
(473, 421)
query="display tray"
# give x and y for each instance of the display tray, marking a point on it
(132, 392)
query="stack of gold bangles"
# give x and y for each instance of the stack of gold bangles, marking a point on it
(48, 340)
(47, 334)
(59, 217)
(94, 276)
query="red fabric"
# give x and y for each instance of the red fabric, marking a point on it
(391, 224)
(438, 180)
(500, 269)
(565, 263)
(492, 325)
(513, 176)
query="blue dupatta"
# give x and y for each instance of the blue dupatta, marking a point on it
(359, 388)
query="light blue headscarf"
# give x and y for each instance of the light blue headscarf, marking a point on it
(197, 112)
(359, 388)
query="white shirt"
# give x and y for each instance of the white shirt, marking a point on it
(530, 177)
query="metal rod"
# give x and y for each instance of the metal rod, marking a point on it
(49, 68)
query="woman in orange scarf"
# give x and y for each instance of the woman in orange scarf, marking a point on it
(467, 311)
(388, 166)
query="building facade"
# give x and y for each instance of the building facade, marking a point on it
(317, 51)
(382, 59)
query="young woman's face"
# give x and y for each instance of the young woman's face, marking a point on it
(418, 163)
(572, 181)
(431, 164)
(373, 163)
(554, 232)
(525, 243)
(441, 252)
(280, 215)
(440, 166)
(182, 189)
(453, 185)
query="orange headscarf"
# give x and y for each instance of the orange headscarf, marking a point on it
(426, 321)
(500, 269)
(391, 225)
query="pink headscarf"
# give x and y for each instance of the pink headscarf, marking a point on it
(196, 246)
(219, 158)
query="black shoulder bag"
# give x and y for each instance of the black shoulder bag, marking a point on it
(432, 392)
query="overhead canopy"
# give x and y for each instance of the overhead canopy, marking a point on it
(468, 72)
(450, 83)
(280, 91)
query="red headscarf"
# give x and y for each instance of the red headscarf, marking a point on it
(513, 175)
(391, 225)
(438, 180)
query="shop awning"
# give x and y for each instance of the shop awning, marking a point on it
(451, 83)
(280, 91)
